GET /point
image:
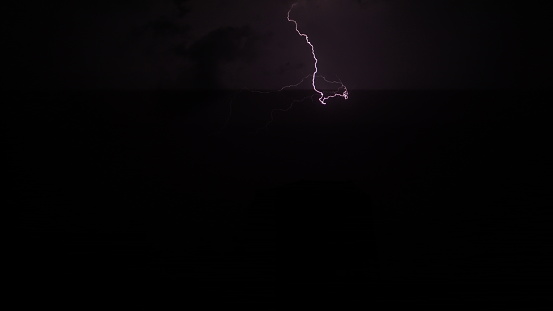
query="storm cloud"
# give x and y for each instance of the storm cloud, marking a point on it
(192, 44)
(221, 46)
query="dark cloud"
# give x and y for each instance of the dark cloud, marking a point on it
(288, 66)
(181, 6)
(224, 45)
(362, 2)
(163, 27)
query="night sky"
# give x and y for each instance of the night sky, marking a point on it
(249, 44)
(145, 164)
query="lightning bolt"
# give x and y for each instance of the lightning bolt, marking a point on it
(342, 90)
(322, 97)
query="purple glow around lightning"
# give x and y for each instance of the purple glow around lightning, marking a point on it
(322, 97)
(313, 76)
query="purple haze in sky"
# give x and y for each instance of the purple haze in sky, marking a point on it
(220, 44)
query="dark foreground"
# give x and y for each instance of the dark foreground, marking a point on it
(433, 199)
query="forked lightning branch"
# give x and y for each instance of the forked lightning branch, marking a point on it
(342, 90)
